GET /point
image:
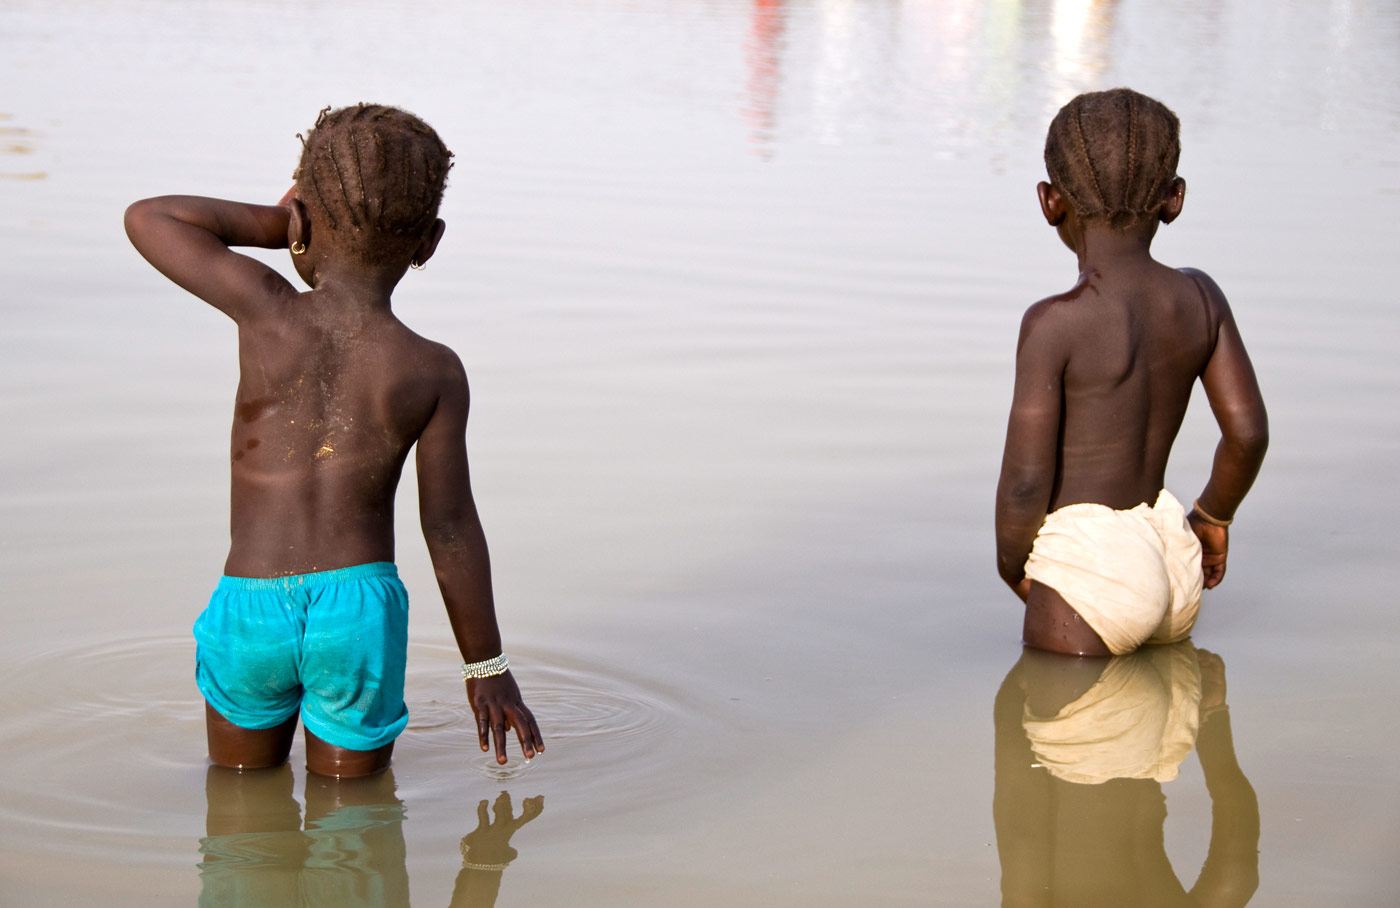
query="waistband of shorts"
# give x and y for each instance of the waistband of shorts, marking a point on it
(1165, 502)
(311, 581)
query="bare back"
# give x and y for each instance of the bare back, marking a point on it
(1133, 342)
(331, 399)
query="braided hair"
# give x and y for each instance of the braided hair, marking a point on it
(374, 175)
(1114, 155)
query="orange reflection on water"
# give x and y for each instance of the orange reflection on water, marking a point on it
(15, 140)
(763, 52)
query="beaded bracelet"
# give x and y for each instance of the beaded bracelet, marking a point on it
(487, 668)
(471, 865)
(1213, 521)
(489, 868)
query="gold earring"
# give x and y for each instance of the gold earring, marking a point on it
(415, 266)
(298, 248)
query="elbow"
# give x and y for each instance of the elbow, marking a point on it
(1023, 493)
(1249, 444)
(450, 532)
(442, 533)
(1245, 432)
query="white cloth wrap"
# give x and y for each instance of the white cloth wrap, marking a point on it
(1139, 721)
(1134, 576)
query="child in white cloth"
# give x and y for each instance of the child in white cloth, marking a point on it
(1103, 556)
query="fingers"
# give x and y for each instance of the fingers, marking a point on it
(531, 742)
(1213, 567)
(483, 727)
(498, 733)
(1215, 545)
(498, 721)
(536, 739)
(502, 806)
(498, 708)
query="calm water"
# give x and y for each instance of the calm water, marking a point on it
(737, 284)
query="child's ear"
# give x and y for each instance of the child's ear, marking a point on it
(429, 245)
(298, 224)
(1176, 197)
(1052, 203)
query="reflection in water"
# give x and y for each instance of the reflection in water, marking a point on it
(1082, 747)
(1081, 30)
(349, 852)
(852, 77)
(17, 140)
(765, 75)
(486, 851)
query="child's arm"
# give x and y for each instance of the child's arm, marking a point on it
(187, 239)
(1238, 405)
(457, 547)
(1230, 874)
(1031, 455)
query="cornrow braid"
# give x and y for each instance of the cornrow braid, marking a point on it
(1096, 149)
(1128, 203)
(1088, 161)
(374, 175)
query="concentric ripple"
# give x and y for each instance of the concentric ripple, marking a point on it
(105, 757)
(589, 714)
(104, 747)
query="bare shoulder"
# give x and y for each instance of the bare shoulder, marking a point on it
(1206, 286)
(437, 364)
(1049, 322)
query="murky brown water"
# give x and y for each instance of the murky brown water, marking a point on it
(737, 284)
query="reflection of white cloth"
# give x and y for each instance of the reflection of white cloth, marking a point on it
(1134, 575)
(1138, 721)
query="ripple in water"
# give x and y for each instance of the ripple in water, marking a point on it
(590, 715)
(105, 752)
(104, 747)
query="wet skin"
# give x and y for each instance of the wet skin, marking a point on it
(1104, 372)
(333, 393)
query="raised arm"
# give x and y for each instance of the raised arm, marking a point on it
(457, 546)
(1032, 442)
(1238, 405)
(187, 239)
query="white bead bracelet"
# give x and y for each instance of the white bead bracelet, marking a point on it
(487, 668)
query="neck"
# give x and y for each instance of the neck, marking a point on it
(1102, 246)
(355, 284)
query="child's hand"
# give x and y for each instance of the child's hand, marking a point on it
(291, 194)
(489, 843)
(1212, 680)
(497, 704)
(1215, 545)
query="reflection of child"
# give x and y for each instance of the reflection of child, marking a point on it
(333, 392)
(1100, 773)
(1105, 558)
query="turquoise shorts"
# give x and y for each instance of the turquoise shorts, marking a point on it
(331, 644)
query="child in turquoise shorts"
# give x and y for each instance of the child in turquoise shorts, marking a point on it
(310, 619)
